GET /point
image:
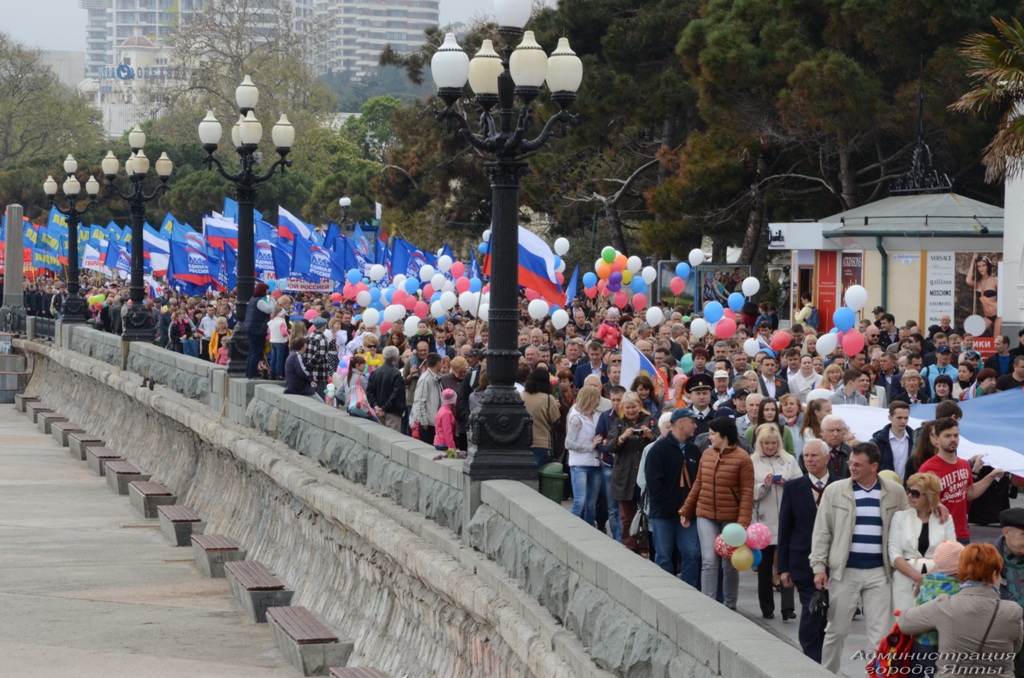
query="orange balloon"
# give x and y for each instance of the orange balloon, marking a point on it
(603, 271)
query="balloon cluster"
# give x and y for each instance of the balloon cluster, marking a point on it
(623, 279)
(844, 320)
(743, 546)
(96, 301)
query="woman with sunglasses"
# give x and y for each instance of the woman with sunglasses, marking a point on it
(913, 535)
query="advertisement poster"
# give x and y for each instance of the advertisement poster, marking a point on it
(977, 293)
(940, 288)
(718, 281)
(827, 264)
(851, 271)
(666, 272)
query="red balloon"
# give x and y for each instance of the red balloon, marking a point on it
(385, 326)
(458, 269)
(780, 340)
(677, 285)
(336, 296)
(399, 297)
(361, 287)
(591, 292)
(428, 291)
(621, 299)
(602, 286)
(560, 278)
(420, 309)
(348, 291)
(410, 303)
(462, 284)
(725, 328)
(729, 313)
(639, 301)
(532, 294)
(853, 342)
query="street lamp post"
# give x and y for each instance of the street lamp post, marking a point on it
(74, 308)
(344, 202)
(502, 427)
(138, 321)
(246, 135)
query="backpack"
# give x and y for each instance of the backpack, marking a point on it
(814, 320)
(894, 656)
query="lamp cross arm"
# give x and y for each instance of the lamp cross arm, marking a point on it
(211, 161)
(281, 162)
(73, 212)
(487, 143)
(562, 117)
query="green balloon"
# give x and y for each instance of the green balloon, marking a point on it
(686, 363)
(686, 318)
(735, 535)
(608, 254)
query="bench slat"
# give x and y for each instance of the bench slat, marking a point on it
(179, 514)
(103, 452)
(85, 438)
(301, 625)
(252, 575)
(357, 672)
(150, 489)
(122, 467)
(214, 542)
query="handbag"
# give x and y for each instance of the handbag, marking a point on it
(359, 404)
(818, 606)
(640, 527)
(894, 656)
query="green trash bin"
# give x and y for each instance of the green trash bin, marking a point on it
(552, 481)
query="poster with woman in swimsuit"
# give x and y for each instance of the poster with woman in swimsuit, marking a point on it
(977, 289)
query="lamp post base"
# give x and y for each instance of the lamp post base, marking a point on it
(138, 325)
(238, 354)
(75, 310)
(503, 432)
(13, 319)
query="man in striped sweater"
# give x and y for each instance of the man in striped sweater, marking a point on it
(848, 551)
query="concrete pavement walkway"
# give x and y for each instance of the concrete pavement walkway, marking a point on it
(88, 588)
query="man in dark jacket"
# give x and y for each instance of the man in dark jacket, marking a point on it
(896, 440)
(670, 471)
(297, 379)
(386, 391)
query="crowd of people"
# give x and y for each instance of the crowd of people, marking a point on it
(714, 436)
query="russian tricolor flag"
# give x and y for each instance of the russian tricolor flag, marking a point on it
(219, 231)
(288, 225)
(536, 268)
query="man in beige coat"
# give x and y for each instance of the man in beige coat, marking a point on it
(848, 554)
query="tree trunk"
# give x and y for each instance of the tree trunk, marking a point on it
(615, 226)
(755, 219)
(847, 178)
(719, 247)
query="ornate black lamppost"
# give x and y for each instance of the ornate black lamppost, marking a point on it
(502, 428)
(138, 321)
(74, 309)
(246, 135)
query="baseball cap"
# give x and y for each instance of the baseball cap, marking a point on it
(740, 393)
(682, 413)
(971, 354)
(878, 309)
(725, 413)
(943, 349)
(721, 374)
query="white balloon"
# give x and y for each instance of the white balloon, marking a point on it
(561, 247)
(377, 272)
(559, 319)
(444, 263)
(398, 281)
(448, 286)
(633, 264)
(394, 313)
(467, 300)
(974, 324)
(487, 235)
(411, 325)
(364, 298)
(819, 394)
(482, 312)
(437, 280)
(561, 267)
(371, 317)
(649, 275)
(448, 300)
(655, 316)
(426, 273)
(751, 286)
(696, 257)
(699, 327)
(855, 297)
(751, 347)
(538, 309)
(826, 344)
(437, 310)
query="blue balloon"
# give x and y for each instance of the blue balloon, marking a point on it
(589, 279)
(271, 285)
(557, 261)
(356, 318)
(834, 330)
(757, 557)
(844, 318)
(436, 296)
(411, 285)
(475, 284)
(638, 285)
(483, 248)
(353, 276)
(375, 293)
(388, 294)
(682, 269)
(713, 311)
(736, 301)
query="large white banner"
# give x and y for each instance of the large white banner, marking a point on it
(940, 287)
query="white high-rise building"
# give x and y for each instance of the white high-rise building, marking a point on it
(359, 30)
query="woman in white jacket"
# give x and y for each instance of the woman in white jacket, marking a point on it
(584, 459)
(278, 328)
(913, 535)
(773, 466)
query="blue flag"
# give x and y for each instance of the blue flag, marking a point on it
(231, 268)
(570, 290)
(474, 265)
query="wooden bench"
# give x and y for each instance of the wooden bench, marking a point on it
(310, 645)
(256, 587)
(33, 409)
(23, 399)
(357, 672)
(45, 420)
(97, 455)
(61, 429)
(212, 551)
(79, 442)
(179, 523)
(145, 496)
(120, 473)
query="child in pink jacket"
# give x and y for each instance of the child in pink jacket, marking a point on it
(609, 330)
(444, 424)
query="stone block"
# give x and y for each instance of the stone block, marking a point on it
(61, 429)
(118, 481)
(97, 456)
(145, 501)
(23, 399)
(257, 602)
(33, 409)
(491, 494)
(210, 557)
(179, 529)
(78, 443)
(311, 659)
(46, 419)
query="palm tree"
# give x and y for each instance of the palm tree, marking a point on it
(997, 63)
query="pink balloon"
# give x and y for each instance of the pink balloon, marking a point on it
(310, 314)
(361, 286)
(780, 340)
(621, 299)
(420, 309)
(729, 313)
(348, 291)
(458, 269)
(462, 284)
(602, 286)
(411, 302)
(428, 291)
(532, 294)
(677, 285)
(759, 536)
(560, 278)
(725, 328)
(639, 301)
(385, 326)
(399, 297)
(591, 292)
(853, 342)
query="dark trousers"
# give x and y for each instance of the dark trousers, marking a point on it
(427, 434)
(256, 344)
(812, 629)
(766, 587)
(204, 349)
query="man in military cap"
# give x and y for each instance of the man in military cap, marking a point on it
(698, 389)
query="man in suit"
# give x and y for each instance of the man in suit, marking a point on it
(895, 441)
(771, 386)
(800, 499)
(834, 432)
(596, 365)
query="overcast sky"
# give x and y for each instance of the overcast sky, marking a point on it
(60, 24)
